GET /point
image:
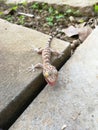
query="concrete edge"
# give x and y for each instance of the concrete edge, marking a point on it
(12, 110)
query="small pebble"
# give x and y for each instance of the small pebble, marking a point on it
(38, 17)
(76, 42)
(71, 18)
(58, 35)
(28, 24)
(72, 46)
(63, 127)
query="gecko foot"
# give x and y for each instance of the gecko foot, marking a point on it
(32, 68)
(38, 50)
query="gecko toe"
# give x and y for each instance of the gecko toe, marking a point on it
(32, 68)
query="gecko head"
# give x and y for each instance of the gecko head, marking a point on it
(51, 75)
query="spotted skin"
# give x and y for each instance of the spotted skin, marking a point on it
(50, 72)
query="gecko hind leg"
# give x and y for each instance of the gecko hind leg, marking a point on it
(57, 53)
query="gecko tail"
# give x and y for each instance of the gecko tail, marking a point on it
(50, 40)
(52, 35)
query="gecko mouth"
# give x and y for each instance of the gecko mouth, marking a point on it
(51, 83)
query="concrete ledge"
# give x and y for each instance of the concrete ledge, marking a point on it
(18, 87)
(74, 101)
(74, 3)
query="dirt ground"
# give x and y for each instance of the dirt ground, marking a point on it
(48, 19)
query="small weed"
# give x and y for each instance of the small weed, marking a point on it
(96, 7)
(21, 19)
(24, 3)
(14, 8)
(35, 5)
(72, 12)
(1, 13)
(81, 21)
(50, 20)
(8, 18)
(59, 16)
(51, 10)
(69, 11)
(76, 12)
(54, 16)
(50, 23)
(44, 6)
(56, 12)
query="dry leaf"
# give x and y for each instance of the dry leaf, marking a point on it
(6, 12)
(70, 31)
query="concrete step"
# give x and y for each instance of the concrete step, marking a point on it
(74, 3)
(18, 87)
(73, 103)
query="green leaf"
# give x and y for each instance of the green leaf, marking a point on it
(45, 6)
(50, 19)
(68, 11)
(59, 16)
(14, 8)
(56, 12)
(77, 12)
(96, 8)
(24, 3)
(8, 18)
(51, 10)
(35, 5)
(50, 23)
(21, 19)
(81, 21)
(1, 13)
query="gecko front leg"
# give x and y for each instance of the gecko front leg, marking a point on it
(34, 67)
(38, 50)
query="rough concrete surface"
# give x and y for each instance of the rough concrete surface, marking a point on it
(17, 85)
(73, 102)
(69, 2)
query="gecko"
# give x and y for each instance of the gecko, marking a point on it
(50, 72)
